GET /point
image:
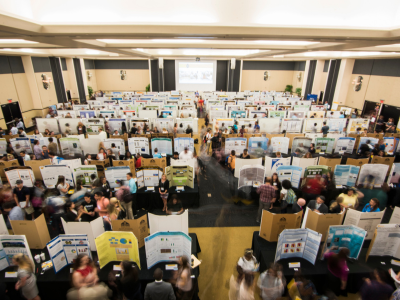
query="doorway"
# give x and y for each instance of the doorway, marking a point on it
(369, 108)
(10, 112)
(389, 111)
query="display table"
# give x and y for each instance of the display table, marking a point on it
(265, 251)
(55, 286)
(152, 200)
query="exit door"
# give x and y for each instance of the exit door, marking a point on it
(10, 112)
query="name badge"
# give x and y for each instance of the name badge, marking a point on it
(162, 189)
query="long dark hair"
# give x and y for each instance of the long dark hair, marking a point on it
(129, 271)
(61, 180)
(78, 259)
(277, 178)
(79, 184)
(377, 203)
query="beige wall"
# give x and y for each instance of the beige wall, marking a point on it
(93, 80)
(254, 80)
(67, 83)
(136, 80)
(295, 81)
(48, 97)
(322, 85)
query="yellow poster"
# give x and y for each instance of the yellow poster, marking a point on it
(358, 123)
(117, 246)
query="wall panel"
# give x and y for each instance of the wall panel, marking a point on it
(110, 80)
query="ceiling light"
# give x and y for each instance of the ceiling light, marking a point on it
(26, 50)
(7, 49)
(278, 56)
(178, 41)
(93, 52)
(113, 54)
(164, 52)
(388, 46)
(286, 43)
(219, 52)
(16, 41)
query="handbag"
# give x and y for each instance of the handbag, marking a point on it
(36, 202)
(29, 209)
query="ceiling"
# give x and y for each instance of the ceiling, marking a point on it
(218, 29)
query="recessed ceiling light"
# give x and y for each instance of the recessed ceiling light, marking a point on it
(93, 52)
(26, 50)
(286, 43)
(219, 52)
(164, 52)
(178, 41)
(388, 46)
(278, 56)
(16, 41)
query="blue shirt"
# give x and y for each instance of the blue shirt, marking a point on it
(235, 128)
(132, 186)
(157, 155)
(257, 127)
(368, 208)
(341, 117)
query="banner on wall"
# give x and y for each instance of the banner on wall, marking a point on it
(345, 145)
(272, 164)
(139, 145)
(291, 173)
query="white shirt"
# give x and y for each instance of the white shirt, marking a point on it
(188, 155)
(27, 157)
(23, 133)
(284, 192)
(14, 131)
(247, 265)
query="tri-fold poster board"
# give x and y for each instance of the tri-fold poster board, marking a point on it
(51, 173)
(180, 176)
(169, 223)
(273, 224)
(365, 220)
(11, 245)
(321, 222)
(36, 231)
(386, 241)
(117, 246)
(240, 162)
(302, 243)
(91, 229)
(167, 247)
(114, 174)
(251, 176)
(139, 227)
(20, 173)
(64, 249)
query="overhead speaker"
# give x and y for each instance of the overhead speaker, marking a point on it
(161, 63)
(233, 63)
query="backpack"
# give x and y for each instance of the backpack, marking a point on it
(291, 197)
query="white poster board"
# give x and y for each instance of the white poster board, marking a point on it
(272, 164)
(309, 124)
(184, 142)
(182, 245)
(70, 146)
(11, 245)
(21, 144)
(372, 175)
(138, 145)
(113, 174)
(395, 218)
(365, 220)
(84, 172)
(304, 163)
(269, 125)
(345, 145)
(280, 144)
(164, 145)
(237, 144)
(119, 144)
(169, 223)
(251, 176)
(387, 241)
(91, 229)
(26, 175)
(240, 162)
(47, 123)
(292, 125)
(51, 173)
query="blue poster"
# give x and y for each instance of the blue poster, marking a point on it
(291, 173)
(87, 114)
(346, 175)
(258, 146)
(364, 140)
(238, 114)
(342, 236)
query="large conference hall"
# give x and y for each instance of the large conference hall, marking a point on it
(240, 150)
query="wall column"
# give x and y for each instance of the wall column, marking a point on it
(304, 85)
(72, 78)
(319, 69)
(343, 80)
(84, 77)
(30, 77)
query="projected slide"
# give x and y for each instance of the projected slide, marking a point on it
(196, 72)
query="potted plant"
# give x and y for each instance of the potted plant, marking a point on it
(90, 91)
(289, 88)
(298, 91)
(148, 88)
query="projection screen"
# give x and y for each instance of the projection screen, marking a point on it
(193, 75)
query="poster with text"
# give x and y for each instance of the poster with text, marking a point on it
(164, 145)
(181, 143)
(114, 174)
(93, 125)
(272, 164)
(345, 145)
(346, 175)
(364, 140)
(51, 173)
(83, 173)
(301, 144)
(21, 144)
(291, 173)
(251, 176)
(277, 114)
(390, 145)
(280, 144)
(117, 124)
(11, 245)
(394, 176)
(26, 175)
(324, 145)
(336, 125)
(387, 241)
(237, 144)
(258, 146)
(138, 145)
(3, 146)
(119, 144)
(70, 146)
(162, 123)
(357, 123)
(292, 125)
(372, 175)
(87, 114)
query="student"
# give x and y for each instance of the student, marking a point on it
(25, 156)
(88, 158)
(115, 150)
(101, 204)
(174, 207)
(55, 160)
(71, 215)
(14, 130)
(102, 154)
(133, 190)
(312, 148)
(324, 129)
(138, 162)
(372, 206)
(36, 149)
(163, 187)
(19, 123)
(232, 161)
(256, 127)
(62, 186)
(116, 132)
(52, 146)
(134, 129)
(318, 205)
(21, 132)
(156, 154)
(45, 152)
(245, 154)
(314, 128)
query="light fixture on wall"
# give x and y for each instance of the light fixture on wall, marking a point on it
(299, 76)
(357, 83)
(123, 74)
(266, 76)
(46, 81)
(89, 75)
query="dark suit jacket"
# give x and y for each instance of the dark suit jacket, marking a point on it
(296, 208)
(323, 209)
(159, 291)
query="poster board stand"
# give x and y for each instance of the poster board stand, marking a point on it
(125, 163)
(169, 223)
(101, 165)
(180, 176)
(384, 161)
(330, 162)
(270, 136)
(91, 229)
(139, 227)
(36, 231)
(5, 165)
(35, 165)
(291, 136)
(273, 224)
(357, 162)
(155, 162)
(367, 221)
(386, 242)
(321, 222)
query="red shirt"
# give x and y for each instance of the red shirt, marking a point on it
(313, 186)
(138, 163)
(86, 271)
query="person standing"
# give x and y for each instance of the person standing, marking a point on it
(130, 284)
(163, 187)
(324, 129)
(133, 190)
(376, 288)
(101, 203)
(267, 197)
(272, 283)
(52, 146)
(37, 150)
(19, 123)
(379, 124)
(26, 277)
(156, 154)
(21, 193)
(184, 279)
(62, 186)
(13, 130)
(232, 161)
(318, 205)
(159, 290)
(337, 270)
(124, 196)
(186, 154)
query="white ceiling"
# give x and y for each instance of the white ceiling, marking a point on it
(253, 29)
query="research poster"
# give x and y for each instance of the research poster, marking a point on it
(372, 175)
(364, 139)
(117, 246)
(280, 144)
(313, 171)
(301, 107)
(93, 125)
(44, 141)
(345, 236)
(291, 173)
(107, 114)
(47, 123)
(167, 247)
(272, 164)
(365, 220)
(139, 145)
(3, 146)
(83, 173)
(119, 144)
(258, 114)
(291, 125)
(64, 113)
(114, 174)
(50, 174)
(26, 175)
(336, 125)
(345, 145)
(21, 144)
(258, 146)
(237, 114)
(346, 175)
(280, 114)
(309, 125)
(184, 123)
(251, 176)
(303, 243)
(237, 144)
(296, 114)
(386, 241)
(11, 245)
(65, 248)
(181, 143)
(164, 145)
(86, 114)
(269, 125)
(316, 114)
(117, 124)
(163, 123)
(301, 144)
(357, 123)
(394, 176)
(70, 146)
(390, 145)
(324, 145)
